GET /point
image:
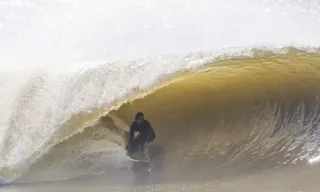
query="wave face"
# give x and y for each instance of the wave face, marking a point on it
(235, 116)
(238, 114)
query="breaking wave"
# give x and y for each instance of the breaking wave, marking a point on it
(211, 111)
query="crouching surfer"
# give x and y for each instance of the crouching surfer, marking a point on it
(146, 134)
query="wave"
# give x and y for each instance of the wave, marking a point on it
(223, 108)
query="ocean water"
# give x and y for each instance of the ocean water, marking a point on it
(230, 87)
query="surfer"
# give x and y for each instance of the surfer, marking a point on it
(146, 133)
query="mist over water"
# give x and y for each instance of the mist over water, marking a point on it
(231, 88)
(63, 32)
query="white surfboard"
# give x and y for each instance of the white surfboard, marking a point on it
(139, 156)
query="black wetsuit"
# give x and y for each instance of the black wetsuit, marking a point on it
(146, 134)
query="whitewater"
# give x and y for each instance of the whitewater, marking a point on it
(231, 88)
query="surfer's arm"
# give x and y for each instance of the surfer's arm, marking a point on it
(151, 134)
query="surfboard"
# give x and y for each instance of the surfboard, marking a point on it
(139, 156)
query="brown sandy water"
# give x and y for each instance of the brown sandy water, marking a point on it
(242, 124)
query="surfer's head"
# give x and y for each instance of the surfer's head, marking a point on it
(139, 117)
